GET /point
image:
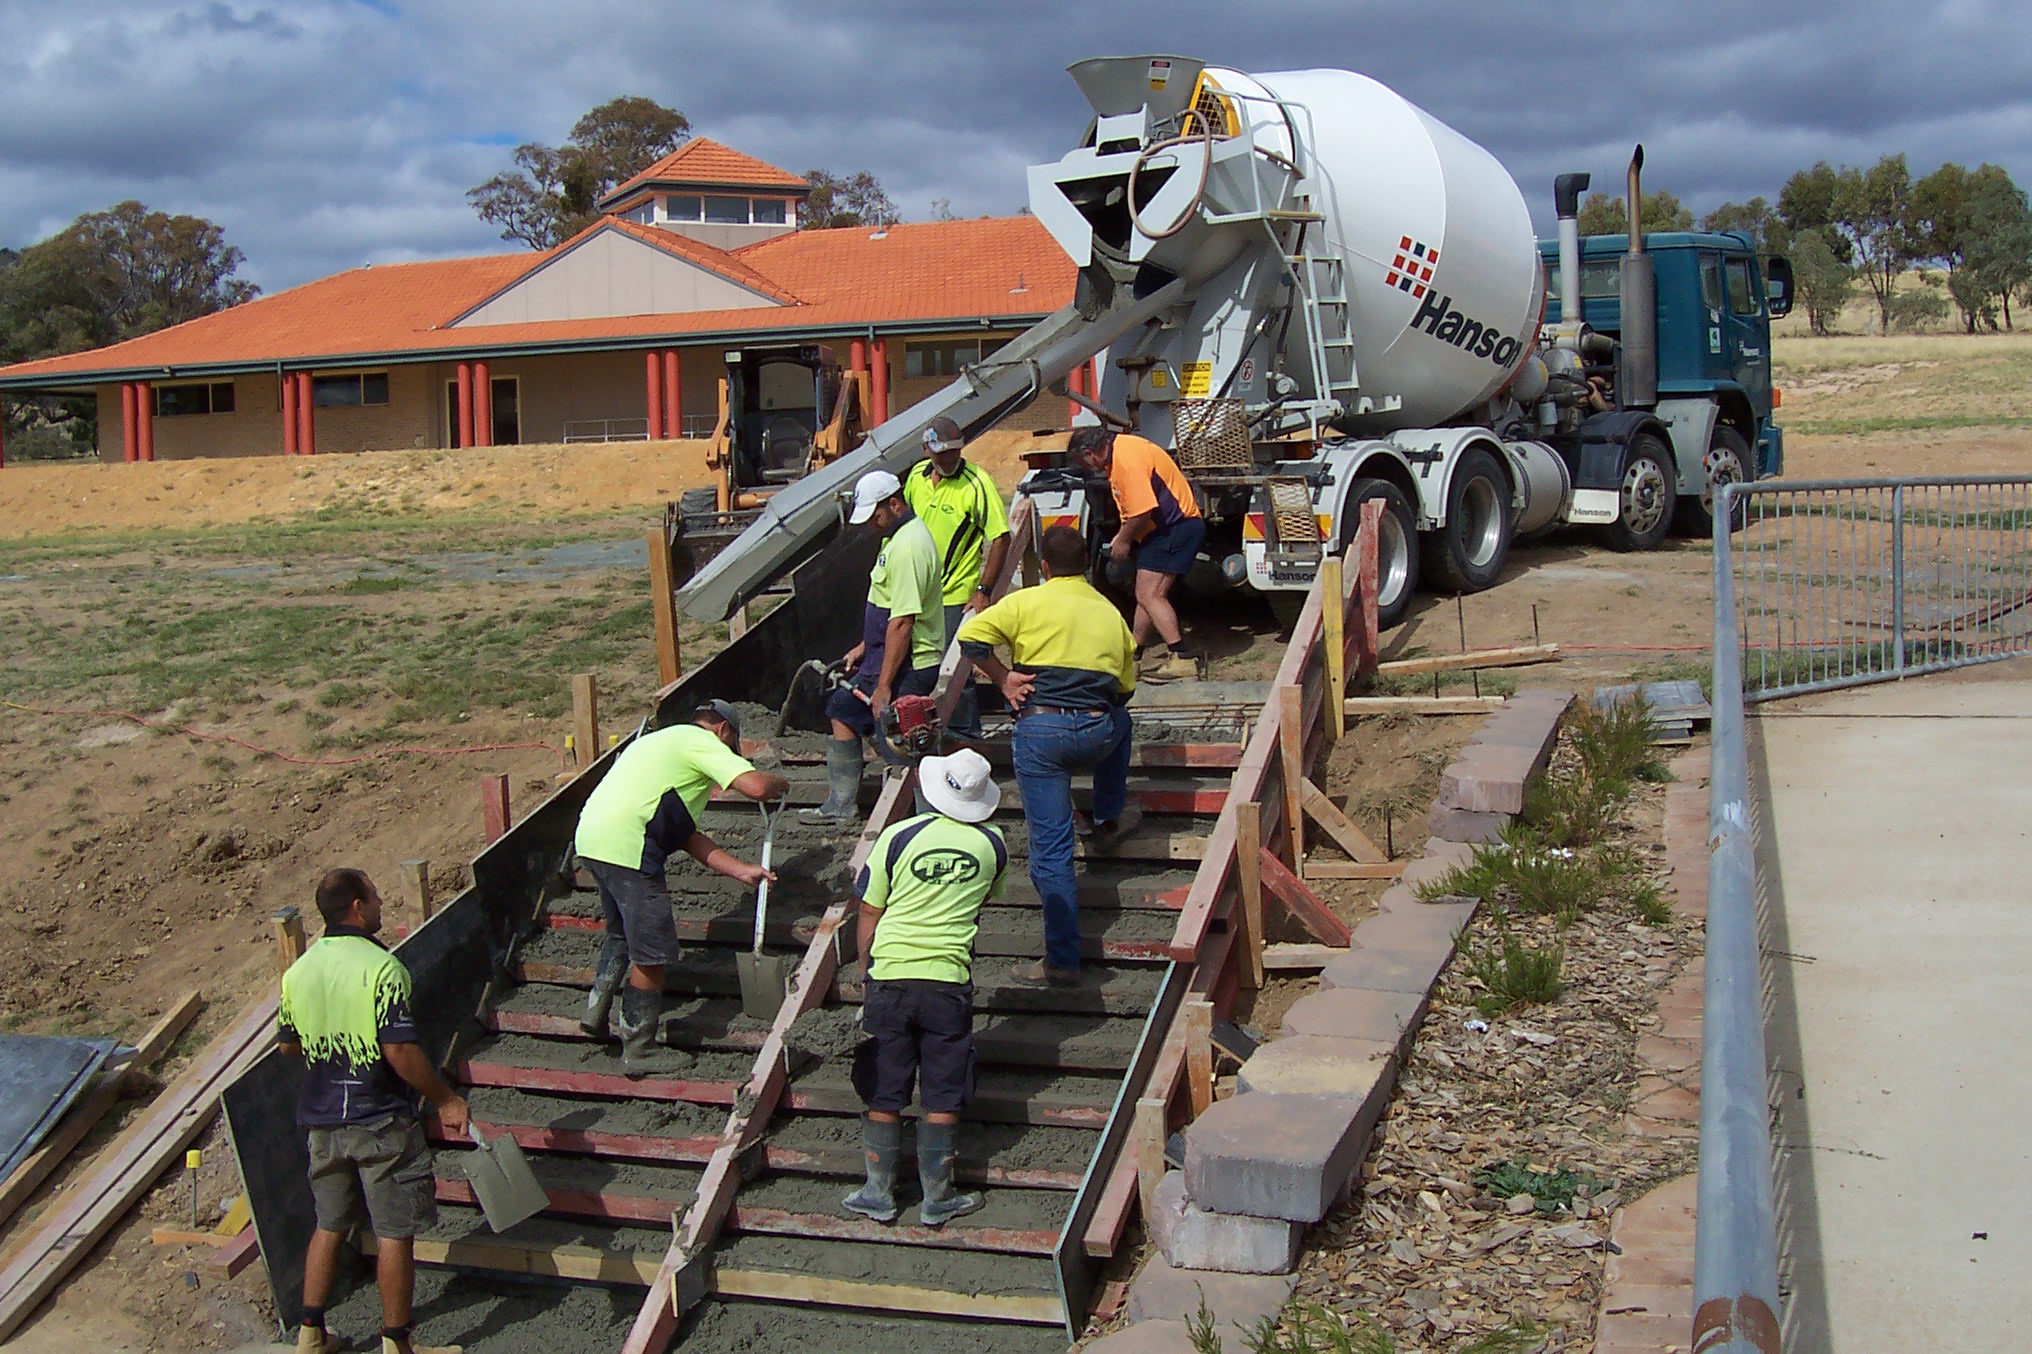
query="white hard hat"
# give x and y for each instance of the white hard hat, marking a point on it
(959, 786)
(870, 491)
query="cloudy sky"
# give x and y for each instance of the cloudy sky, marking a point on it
(323, 134)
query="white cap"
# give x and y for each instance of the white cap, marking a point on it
(870, 491)
(959, 786)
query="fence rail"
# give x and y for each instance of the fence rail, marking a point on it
(606, 430)
(1842, 582)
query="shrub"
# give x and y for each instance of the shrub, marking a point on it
(1515, 974)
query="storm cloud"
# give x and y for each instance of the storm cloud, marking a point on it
(324, 134)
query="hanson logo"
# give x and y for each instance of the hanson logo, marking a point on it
(1439, 319)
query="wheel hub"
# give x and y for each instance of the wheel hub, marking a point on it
(1643, 497)
(1722, 466)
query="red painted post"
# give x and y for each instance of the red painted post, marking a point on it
(494, 807)
(306, 415)
(144, 404)
(673, 411)
(463, 433)
(3, 434)
(483, 405)
(881, 399)
(130, 423)
(289, 414)
(653, 385)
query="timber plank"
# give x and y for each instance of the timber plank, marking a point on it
(1337, 825)
(1515, 656)
(1291, 891)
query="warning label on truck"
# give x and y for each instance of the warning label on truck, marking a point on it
(1196, 380)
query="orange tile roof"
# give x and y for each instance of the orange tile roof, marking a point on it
(705, 161)
(838, 280)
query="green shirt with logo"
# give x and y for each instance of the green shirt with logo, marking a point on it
(929, 875)
(904, 582)
(647, 805)
(964, 514)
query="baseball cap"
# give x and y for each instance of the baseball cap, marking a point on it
(941, 435)
(722, 710)
(959, 786)
(872, 489)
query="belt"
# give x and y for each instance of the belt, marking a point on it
(1056, 710)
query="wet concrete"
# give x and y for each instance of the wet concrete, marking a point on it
(646, 1118)
(1029, 1210)
(592, 1175)
(575, 1055)
(1009, 1147)
(829, 1032)
(947, 1271)
(765, 1328)
(492, 1315)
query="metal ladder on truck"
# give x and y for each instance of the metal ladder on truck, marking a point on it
(1318, 275)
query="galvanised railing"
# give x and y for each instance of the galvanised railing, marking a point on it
(1842, 582)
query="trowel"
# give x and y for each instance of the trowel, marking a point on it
(500, 1175)
(765, 978)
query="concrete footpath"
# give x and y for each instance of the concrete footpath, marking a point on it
(1897, 860)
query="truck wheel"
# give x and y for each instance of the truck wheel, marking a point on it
(1728, 461)
(1467, 554)
(1646, 497)
(1396, 547)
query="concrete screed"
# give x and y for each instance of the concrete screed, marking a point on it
(1896, 850)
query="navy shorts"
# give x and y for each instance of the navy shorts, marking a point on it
(920, 1033)
(1172, 550)
(637, 909)
(854, 712)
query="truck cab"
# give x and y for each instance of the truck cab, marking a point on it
(1716, 301)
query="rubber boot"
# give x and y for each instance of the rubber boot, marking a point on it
(843, 783)
(641, 1054)
(937, 1145)
(882, 1144)
(607, 976)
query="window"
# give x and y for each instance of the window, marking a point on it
(349, 391)
(769, 211)
(174, 401)
(1599, 279)
(643, 215)
(946, 356)
(681, 208)
(1742, 287)
(727, 211)
(1711, 283)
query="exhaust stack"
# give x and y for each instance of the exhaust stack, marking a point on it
(1566, 191)
(1637, 372)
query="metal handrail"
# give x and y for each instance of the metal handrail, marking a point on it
(1735, 1279)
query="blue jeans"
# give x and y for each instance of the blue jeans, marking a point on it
(1048, 748)
(966, 715)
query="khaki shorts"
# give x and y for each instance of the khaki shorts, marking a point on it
(379, 1172)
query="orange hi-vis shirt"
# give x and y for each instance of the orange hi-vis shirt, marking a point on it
(1146, 479)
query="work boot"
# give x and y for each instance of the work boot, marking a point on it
(317, 1340)
(391, 1345)
(1108, 836)
(1037, 973)
(1176, 667)
(937, 1145)
(640, 1023)
(843, 784)
(882, 1144)
(607, 975)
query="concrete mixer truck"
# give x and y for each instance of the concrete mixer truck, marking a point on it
(1314, 294)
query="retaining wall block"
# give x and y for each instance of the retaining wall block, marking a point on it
(1273, 1156)
(1195, 1238)
(1383, 1017)
(1146, 1337)
(1411, 969)
(1313, 1064)
(1466, 826)
(1164, 1292)
(1414, 928)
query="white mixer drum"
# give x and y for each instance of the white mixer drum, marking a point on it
(1443, 275)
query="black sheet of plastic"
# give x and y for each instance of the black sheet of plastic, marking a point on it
(40, 1075)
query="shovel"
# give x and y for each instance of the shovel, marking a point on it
(765, 978)
(500, 1175)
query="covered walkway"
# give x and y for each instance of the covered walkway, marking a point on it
(1896, 844)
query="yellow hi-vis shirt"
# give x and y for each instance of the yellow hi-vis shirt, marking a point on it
(928, 876)
(904, 582)
(1072, 639)
(965, 515)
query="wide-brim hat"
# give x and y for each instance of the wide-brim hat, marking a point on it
(960, 786)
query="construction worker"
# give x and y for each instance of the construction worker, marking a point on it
(959, 502)
(345, 1009)
(1073, 671)
(902, 640)
(1161, 532)
(921, 894)
(644, 811)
